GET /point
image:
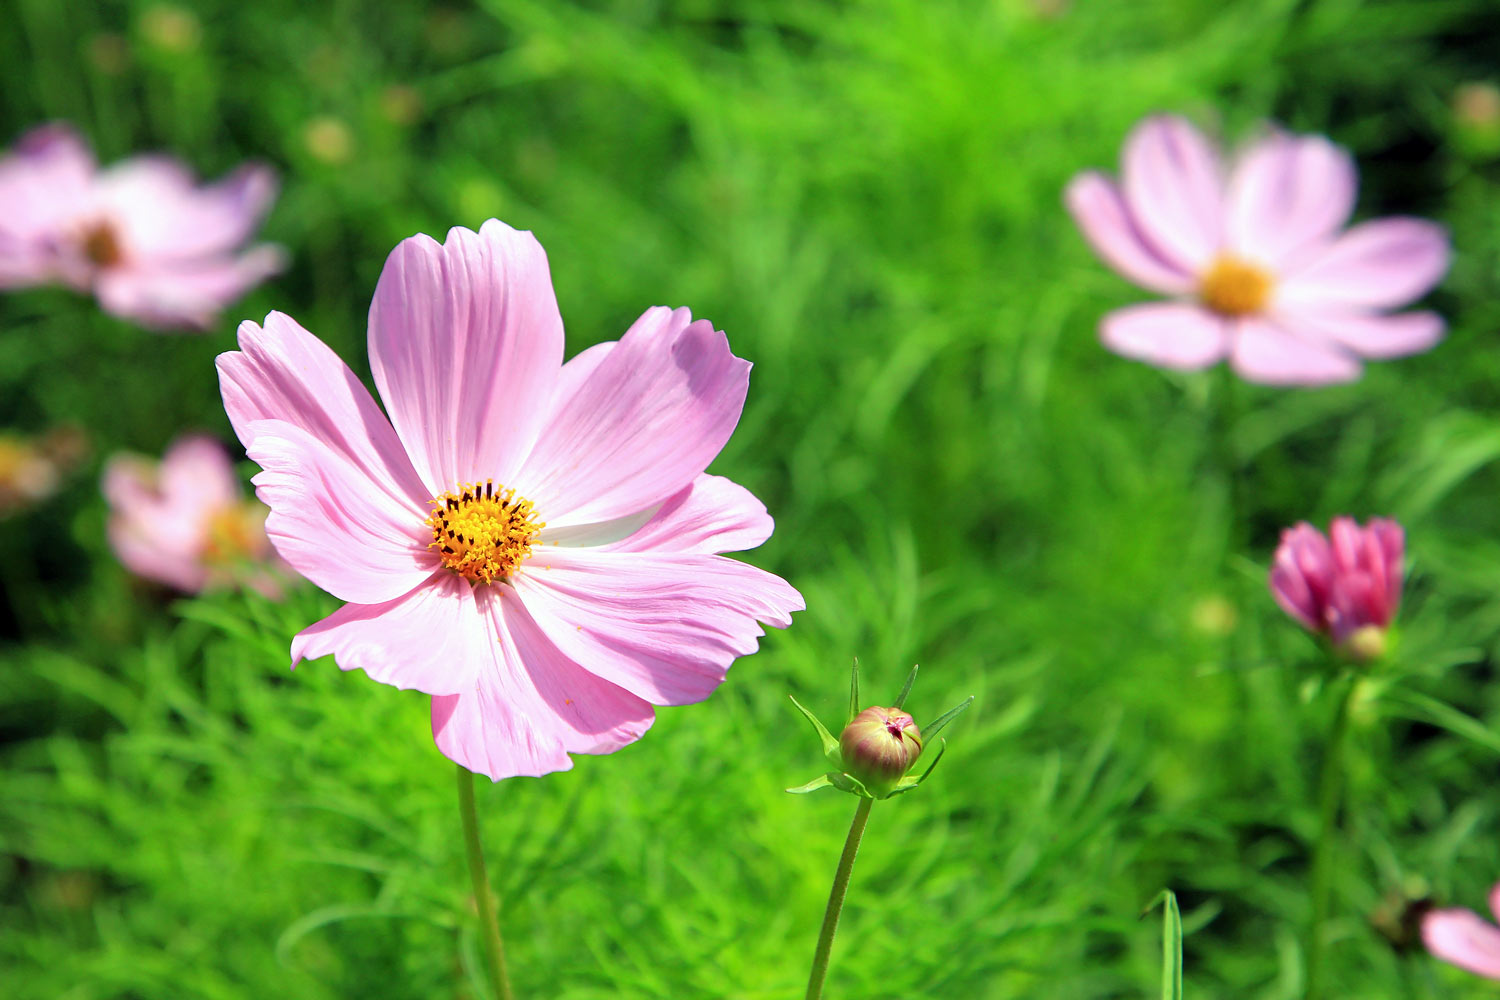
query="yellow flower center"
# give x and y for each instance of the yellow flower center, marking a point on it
(1233, 287)
(101, 246)
(234, 534)
(482, 533)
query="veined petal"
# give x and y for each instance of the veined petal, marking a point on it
(1373, 335)
(1174, 186)
(530, 705)
(664, 626)
(1465, 939)
(1169, 334)
(1099, 210)
(334, 524)
(645, 422)
(430, 639)
(465, 343)
(282, 372)
(712, 515)
(1382, 264)
(176, 295)
(1286, 193)
(1265, 351)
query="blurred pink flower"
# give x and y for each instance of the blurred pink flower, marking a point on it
(185, 522)
(1256, 258)
(531, 543)
(1464, 938)
(141, 235)
(1346, 586)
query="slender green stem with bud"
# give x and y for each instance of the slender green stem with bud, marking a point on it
(1330, 788)
(494, 951)
(836, 901)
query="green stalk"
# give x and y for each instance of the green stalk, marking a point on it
(1330, 787)
(836, 901)
(494, 951)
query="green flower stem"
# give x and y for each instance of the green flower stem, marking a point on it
(1330, 788)
(494, 951)
(836, 901)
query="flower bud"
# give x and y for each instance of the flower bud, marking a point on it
(879, 746)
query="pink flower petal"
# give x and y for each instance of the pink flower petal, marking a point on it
(282, 372)
(359, 543)
(530, 705)
(423, 640)
(664, 626)
(1381, 264)
(712, 515)
(465, 345)
(1099, 210)
(44, 183)
(197, 475)
(647, 420)
(1465, 939)
(163, 215)
(1173, 185)
(1288, 192)
(1266, 352)
(1372, 335)
(174, 295)
(1168, 334)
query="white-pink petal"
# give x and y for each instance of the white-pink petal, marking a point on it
(1465, 939)
(664, 626)
(430, 639)
(1265, 351)
(184, 294)
(1099, 210)
(282, 372)
(465, 345)
(1169, 334)
(1372, 335)
(161, 213)
(1174, 186)
(712, 515)
(646, 421)
(1382, 264)
(332, 523)
(1287, 192)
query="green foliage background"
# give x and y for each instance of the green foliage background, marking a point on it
(866, 196)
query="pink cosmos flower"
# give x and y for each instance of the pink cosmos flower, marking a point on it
(1346, 586)
(142, 235)
(532, 543)
(184, 521)
(1464, 938)
(1255, 257)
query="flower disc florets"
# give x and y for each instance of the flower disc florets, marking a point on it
(482, 533)
(879, 746)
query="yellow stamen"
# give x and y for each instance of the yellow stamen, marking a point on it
(482, 533)
(234, 534)
(1234, 287)
(101, 246)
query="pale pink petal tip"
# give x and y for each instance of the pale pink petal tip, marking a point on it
(1463, 938)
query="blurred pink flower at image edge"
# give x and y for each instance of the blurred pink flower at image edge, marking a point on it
(185, 522)
(1345, 585)
(1256, 257)
(1464, 938)
(141, 235)
(533, 544)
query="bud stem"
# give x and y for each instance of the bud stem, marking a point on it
(836, 901)
(489, 922)
(1330, 788)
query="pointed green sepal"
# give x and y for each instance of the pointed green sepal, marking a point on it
(934, 727)
(849, 783)
(853, 692)
(830, 745)
(821, 781)
(911, 679)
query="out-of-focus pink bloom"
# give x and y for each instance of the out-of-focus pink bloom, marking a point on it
(1347, 585)
(33, 468)
(1255, 257)
(142, 235)
(1464, 938)
(185, 522)
(532, 543)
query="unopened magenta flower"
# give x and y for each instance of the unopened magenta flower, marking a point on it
(1464, 938)
(532, 543)
(185, 521)
(1253, 253)
(878, 746)
(1346, 585)
(143, 236)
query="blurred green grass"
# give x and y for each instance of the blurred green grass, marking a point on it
(865, 196)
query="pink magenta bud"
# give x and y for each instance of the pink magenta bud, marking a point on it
(1345, 585)
(879, 746)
